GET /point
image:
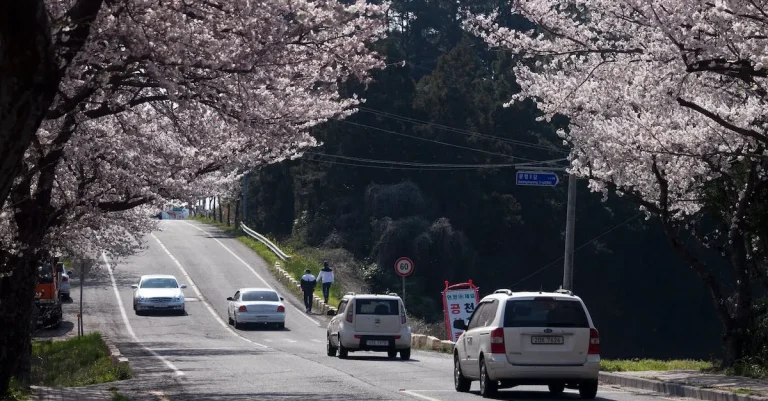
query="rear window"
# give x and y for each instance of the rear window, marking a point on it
(545, 313)
(377, 307)
(268, 296)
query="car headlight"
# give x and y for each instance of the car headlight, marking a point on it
(141, 297)
(177, 299)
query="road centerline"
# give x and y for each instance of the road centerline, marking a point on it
(246, 264)
(201, 297)
(127, 323)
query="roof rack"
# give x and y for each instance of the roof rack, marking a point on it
(561, 290)
(350, 293)
(392, 294)
(503, 291)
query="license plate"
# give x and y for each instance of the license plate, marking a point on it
(160, 306)
(547, 340)
(377, 343)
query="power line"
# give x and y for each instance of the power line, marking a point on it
(459, 130)
(426, 167)
(412, 164)
(580, 246)
(434, 141)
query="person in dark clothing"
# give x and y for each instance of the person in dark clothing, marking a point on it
(325, 277)
(308, 283)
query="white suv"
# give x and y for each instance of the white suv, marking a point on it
(369, 322)
(528, 338)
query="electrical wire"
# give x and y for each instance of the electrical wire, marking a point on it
(580, 247)
(416, 166)
(433, 141)
(459, 130)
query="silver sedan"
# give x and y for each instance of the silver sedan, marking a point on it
(256, 305)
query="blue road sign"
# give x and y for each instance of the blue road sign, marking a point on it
(537, 179)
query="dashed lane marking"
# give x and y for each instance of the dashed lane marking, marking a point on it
(202, 299)
(252, 270)
(128, 323)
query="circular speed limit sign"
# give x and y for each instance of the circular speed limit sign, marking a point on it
(404, 267)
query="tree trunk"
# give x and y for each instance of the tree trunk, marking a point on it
(229, 213)
(237, 213)
(213, 207)
(17, 294)
(221, 210)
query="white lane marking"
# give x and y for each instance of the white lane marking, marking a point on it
(317, 341)
(202, 298)
(291, 341)
(417, 395)
(128, 324)
(252, 270)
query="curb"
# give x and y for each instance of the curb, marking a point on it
(114, 353)
(676, 389)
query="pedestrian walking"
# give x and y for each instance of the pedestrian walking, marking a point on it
(308, 283)
(325, 277)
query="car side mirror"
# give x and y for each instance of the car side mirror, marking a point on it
(183, 286)
(331, 313)
(230, 299)
(134, 286)
(459, 324)
(282, 299)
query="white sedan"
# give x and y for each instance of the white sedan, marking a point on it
(256, 305)
(158, 292)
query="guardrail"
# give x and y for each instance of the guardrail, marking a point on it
(280, 254)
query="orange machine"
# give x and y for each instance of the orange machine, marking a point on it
(47, 300)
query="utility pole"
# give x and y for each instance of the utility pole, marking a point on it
(536, 175)
(570, 228)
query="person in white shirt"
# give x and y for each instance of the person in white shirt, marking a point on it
(308, 283)
(325, 277)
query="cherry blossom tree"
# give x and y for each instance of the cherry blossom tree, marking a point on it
(164, 100)
(667, 105)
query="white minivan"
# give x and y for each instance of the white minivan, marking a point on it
(528, 338)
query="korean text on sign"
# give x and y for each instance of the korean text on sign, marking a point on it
(460, 304)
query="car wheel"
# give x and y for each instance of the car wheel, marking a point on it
(343, 352)
(134, 306)
(229, 317)
(405, 354)
(557, 388)
(183, 311)
(281, 326)
(588, 389)
(392, 354)
(329, 347)
(488, 387)
(236, 323)
(461, 383)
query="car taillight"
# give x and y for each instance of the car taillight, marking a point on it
(242, 308)
(281, 308)
(349, 313)
(497, 341)
(402, 315)
(594, 342)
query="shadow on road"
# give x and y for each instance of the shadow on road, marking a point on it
(283, 396)
(49, 333)
(511, 394)
(259, 327)
(379, 357)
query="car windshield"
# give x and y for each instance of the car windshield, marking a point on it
(44, 274)
(545, 312)
(376, 307)
(159, 283)
(268, 296)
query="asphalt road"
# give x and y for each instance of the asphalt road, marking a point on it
(203, 358)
